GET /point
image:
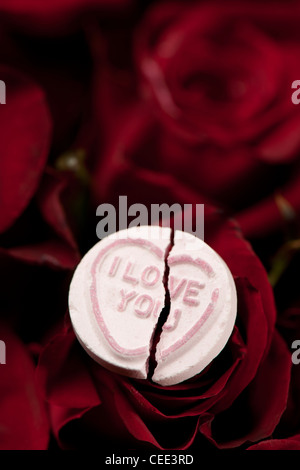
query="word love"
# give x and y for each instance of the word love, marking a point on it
(118, 296)
(144, 305)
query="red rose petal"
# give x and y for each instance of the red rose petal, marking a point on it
(257, 411)
(25, 139)
(24, 423)
(143, 421)
(227, 239)
(59, 251)
(53, 253)
(63, 376)
(57, 16)
(292, 443)
(251, 319)
(48, 196)
(284, 142)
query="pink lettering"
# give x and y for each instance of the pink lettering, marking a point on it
(191, 291)
(125, 298)
(173, 320)
(157, 308)
(114, 266)
(140, 303)
(176, 290)
(147, 276)
(127, 276)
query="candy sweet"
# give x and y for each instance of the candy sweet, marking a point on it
(121, 287)
(116, 296)
(202, 314)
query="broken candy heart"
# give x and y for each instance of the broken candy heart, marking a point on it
(117, 295)
(202, 313)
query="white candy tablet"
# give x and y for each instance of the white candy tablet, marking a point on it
(202, 313)
(117, 295)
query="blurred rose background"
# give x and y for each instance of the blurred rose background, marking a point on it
(161, 101)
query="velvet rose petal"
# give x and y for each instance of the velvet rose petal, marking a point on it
(289, 325)
(202, 97)
(291, 443)
(49, 200)
(198, 395)
(257, 411)
(144, 421)
(59, 249)
(227, 239)
(79, 389)
(283, 144)
(23, 420)
(53, 253)
(253, 323)
(63, 376)
(25, 138)
(55, 17)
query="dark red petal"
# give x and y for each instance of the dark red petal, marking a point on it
(292, 443)
(257, 411)
(25, 129)
(143, 421)
(49, 200)
(252, 322)
(53, 253)
(53, 244)
(63, 375)
(227, 239)
(283, 144)
(55, 17)
(24, 423)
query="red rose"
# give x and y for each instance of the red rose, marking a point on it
(230, 403)
(215, 107)
(27, 187)
(219, 73)
(192, 106)
(30, 210)
(34, 230)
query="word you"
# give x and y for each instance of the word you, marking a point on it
(143, 305)
(296, 354)
(2, 92)
(2, 352)
(159, 213)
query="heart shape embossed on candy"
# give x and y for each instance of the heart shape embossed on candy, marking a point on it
(129, 288)
(117, 295)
